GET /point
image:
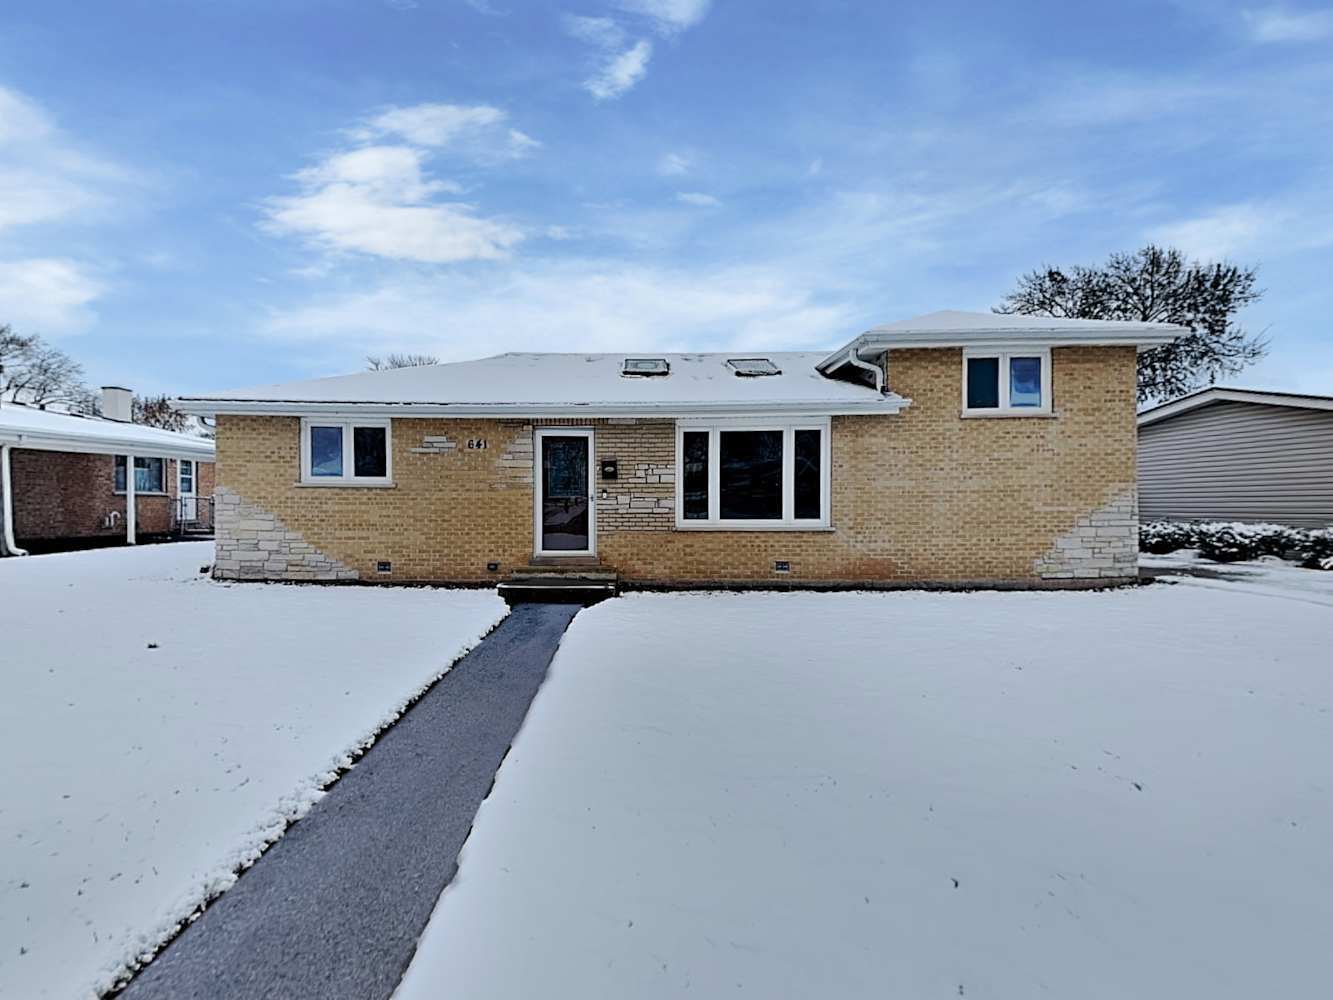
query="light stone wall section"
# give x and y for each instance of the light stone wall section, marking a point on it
(926, 496)
(252, 544)
(1103, 544)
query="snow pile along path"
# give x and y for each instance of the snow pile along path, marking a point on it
(1092, 795)
(162, 729)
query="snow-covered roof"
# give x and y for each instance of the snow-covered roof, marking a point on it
(1222, 394)
(47, 430)
(952, 328)
(520, 384)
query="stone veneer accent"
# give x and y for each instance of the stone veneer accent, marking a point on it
(1103, 544)
(926, 496)
(252, 544)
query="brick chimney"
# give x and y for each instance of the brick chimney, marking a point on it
(117, 403)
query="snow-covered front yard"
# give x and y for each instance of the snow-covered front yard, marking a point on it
(160, 729)
(1092, 795)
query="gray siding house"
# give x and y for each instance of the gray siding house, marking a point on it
(1238, 455)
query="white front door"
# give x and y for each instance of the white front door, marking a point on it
(565, 518)
(185, 489)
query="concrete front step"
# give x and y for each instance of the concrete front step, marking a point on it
(583, 585)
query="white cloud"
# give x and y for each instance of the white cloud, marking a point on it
(47, 295)
(1294, 223)
(577, 304)
(675, 164)
(43, 176)
(1277, 24)
(621, 73)
(602, 32)
(697, 198)
(479, 132)
(668, 16)
(618, 68)
(378, 200)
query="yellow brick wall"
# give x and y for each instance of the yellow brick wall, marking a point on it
(926, 495)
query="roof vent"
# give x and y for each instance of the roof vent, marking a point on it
(753, 367)
(646, 366)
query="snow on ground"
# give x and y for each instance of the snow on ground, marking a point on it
(1268, 575)
(138, 777)
(1092, 795)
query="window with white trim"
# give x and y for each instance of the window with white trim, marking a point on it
(345, 452)
(150, 475)
(1007, 383)
(752, 474)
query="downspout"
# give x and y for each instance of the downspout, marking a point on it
(854, 358)
(7, 502)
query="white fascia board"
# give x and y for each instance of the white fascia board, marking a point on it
(1144, 338)
(235, 407)
(39, 441)
(1205, 396)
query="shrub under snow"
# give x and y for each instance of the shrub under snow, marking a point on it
(1232, 541)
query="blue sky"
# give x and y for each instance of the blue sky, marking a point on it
(194, 196)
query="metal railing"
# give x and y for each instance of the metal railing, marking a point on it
(192, 516)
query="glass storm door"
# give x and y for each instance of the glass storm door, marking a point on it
(564, 501)
(186, 491)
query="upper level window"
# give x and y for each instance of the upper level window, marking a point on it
(150, 475)
(752, 474)
(1009, 383)
(345, 452)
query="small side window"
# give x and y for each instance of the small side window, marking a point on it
(1024, 382)
(1007, 383)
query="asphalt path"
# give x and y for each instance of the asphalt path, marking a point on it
(334, 909)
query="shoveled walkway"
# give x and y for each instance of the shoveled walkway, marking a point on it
(333, 910)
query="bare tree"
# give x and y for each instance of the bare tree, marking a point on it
(375, 363)
(1158, 285)
(32, 371)
(157, 411)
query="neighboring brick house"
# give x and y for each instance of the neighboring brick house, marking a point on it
(63, 478)
(958, 449)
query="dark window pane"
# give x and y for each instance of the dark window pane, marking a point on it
(695, 489)
(120, 474)
(1025, 381)
(368, 451)
(983, 383)
(808, 480)
(326, 451)
(750, 475)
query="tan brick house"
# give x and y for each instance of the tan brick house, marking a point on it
(956, 449)
(64, 482)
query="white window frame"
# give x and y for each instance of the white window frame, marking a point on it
(138, 492)
(348, 425)
(1004, 356)
(788, 427)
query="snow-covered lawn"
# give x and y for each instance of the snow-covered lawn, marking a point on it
(160, 728)
(1091, 795)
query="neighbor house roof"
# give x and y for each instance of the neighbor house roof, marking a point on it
(952, 328)
(1223, 394)
(47, 430)
(521, 384)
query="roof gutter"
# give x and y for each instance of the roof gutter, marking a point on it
(881, 403)
(1144, 338)
(46, 441)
